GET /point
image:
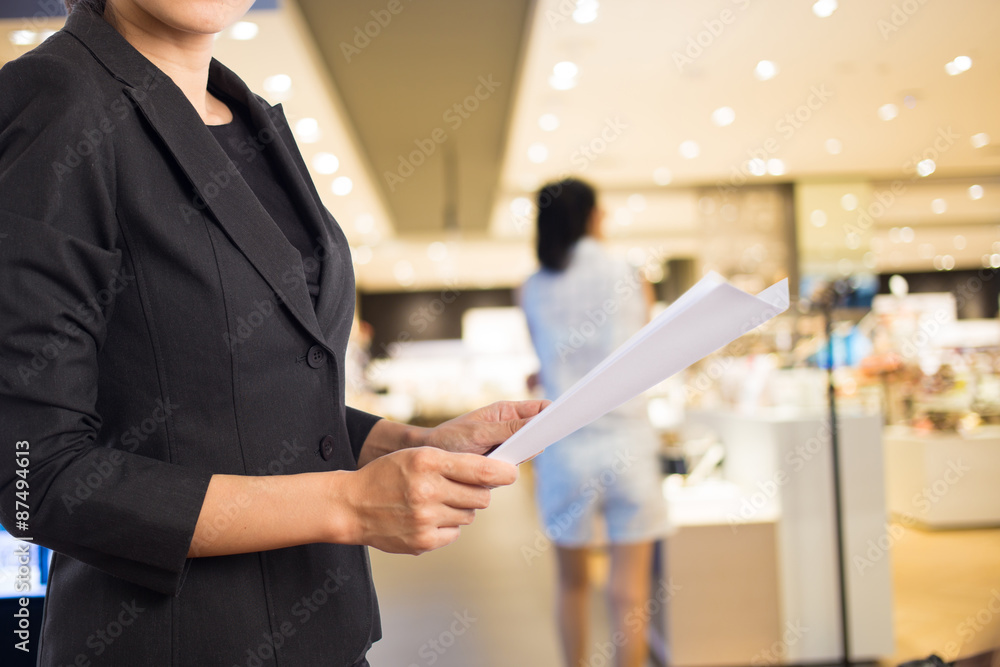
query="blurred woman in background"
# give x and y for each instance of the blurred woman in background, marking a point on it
(580, 306)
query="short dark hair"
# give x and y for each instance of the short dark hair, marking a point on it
(96, 6)
(564, 209)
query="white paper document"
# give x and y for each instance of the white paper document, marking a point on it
(707, 317)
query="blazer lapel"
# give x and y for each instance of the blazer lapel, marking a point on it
(217, 183)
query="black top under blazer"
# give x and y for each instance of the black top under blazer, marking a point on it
(155, 329)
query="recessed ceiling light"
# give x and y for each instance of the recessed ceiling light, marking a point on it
(906, 234)
(818, 218)
(365, 223)
(637, 203)
(979, 140)
(824, 8)
(926, 167)
(959, 242)
(564, 75)
(833, 146)
(23, 37)
(521, 207)
(586, 11)
(757, 167)
(548, 122)
(278, 83)
(404, 273)
(538, 153)
(662, 176)
(849, 202)
(723, 116)
(939, 206)
(958, 65)
(775, 166)
(307, 130)
(437, 251)
(975, 192)
(888, 111)
(342, 185)
(244, 30)
(765, 70)
(326, 163)
(689, 149)
(361, 255)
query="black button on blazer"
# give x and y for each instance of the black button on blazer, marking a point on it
(153, 322)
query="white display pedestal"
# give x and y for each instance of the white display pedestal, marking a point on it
(944, 480)
(781, 466)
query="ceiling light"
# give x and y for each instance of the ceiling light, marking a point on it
(775, 166)
(244, 30)
(279, 83)
(307, 130)
(404, 273)
(958, 65)
(926, 167)
(939, 206)
(975, 192)
(437, 251)
(906, 235)
(980, 139)
(947, 262)
(637, 203)
(888, 111)
(959, 242)
(817, 218)
(723, 116)
(22, 37)
(364, 223)
(326, 163)
(833, 146)
(849, 202)
(623, 217)
(824, 8)
(757, 167)
(521, 207)
(899, 286)
(564, 75)
(361, 255)
(662, 176)
(548, 122)
(586, 11)
(689, 149)
(342, 185)
(538, 153)
(765, 70)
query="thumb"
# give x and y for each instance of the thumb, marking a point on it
(498, 432)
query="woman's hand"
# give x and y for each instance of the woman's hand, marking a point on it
(415, 500)
(479, 431)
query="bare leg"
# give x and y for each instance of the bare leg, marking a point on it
(629, 590)
(573, 604)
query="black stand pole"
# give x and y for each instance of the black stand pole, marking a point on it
(837, 500)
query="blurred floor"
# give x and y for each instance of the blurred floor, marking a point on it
(487, 600)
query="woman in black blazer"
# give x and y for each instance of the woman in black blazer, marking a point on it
(174, 313)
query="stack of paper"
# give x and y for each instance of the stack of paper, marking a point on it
(707, 317)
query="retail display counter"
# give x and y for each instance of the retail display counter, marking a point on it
(754, 556)
(944, 480)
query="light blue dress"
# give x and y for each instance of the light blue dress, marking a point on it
(608, 470)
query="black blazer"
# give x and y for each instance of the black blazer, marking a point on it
(156, 328)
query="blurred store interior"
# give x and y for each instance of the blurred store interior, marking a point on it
(853, 147)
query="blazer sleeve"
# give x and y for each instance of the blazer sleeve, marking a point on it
(359, 425)
(59, 250)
